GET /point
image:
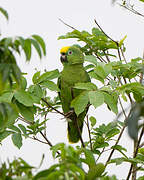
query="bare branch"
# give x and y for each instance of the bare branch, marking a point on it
(52, 107)
(66, 24)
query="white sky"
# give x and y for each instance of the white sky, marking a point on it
(40, 17)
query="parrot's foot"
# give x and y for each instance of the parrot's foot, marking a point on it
(68, 114)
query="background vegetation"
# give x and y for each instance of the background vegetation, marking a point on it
(24, 109)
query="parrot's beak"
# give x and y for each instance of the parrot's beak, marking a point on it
(63, 57)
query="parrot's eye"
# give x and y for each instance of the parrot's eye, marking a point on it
(70, 52)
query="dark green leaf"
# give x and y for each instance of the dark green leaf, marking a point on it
(14, 128)
(37, 47)
(92, 120)
(26, 112)
(41, 42)
(23, 129)
(24, 97)
(27, 49)
(4, 12)
(48, 76)
(6, 97)
(17, 140)
(4, 134)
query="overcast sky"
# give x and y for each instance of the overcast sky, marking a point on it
(40, 17)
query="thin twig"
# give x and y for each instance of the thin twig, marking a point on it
(52, 107)
(120, 135)
(116, 42)
(131, 9)
(34, 138)
(78, 128)
(135, 153)
(66, 24)
(87, 123)
(106, 56)
(123, 55)
(31, 123)
(122, 108)
(104, 32)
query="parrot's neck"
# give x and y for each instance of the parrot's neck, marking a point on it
(77, 65)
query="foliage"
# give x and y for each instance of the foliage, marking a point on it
(24, 108)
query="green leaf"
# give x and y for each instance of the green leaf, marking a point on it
(7, 42)
(41, 42)
(23, 83)
(89, 157)
(77, 170)
(4, 12)
(37, 47)
(95, 171)
(107, 69)
(6, 97)
(50, 85)
(120, 149)
(4, 134)
(36, 93)
(86, 86)
(24, 98)
(8, 115)
(111, 102)
(122, 40)
(14, 128)
(96, 98)
(118, 161)
(93, 121)
(55, 148)
(99, 70)
(80, 102)
(27, 49)
(141, 0)
(44, 173)
(26, 112)
(17, 140)
(95, 76)
(48, 76)
(36, 77)
(21, 41)
(23, 129)
(90, 58)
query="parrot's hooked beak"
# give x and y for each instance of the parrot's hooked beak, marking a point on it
(63, 57)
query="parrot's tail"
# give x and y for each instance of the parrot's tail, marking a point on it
(75, 126)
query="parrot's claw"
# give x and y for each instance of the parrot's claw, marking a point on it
(68, 114)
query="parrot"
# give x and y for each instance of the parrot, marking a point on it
(73, 72)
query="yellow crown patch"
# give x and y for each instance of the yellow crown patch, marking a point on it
(64, 49)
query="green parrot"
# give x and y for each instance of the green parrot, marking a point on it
(73, 72)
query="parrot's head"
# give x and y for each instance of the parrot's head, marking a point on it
(71, 55)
